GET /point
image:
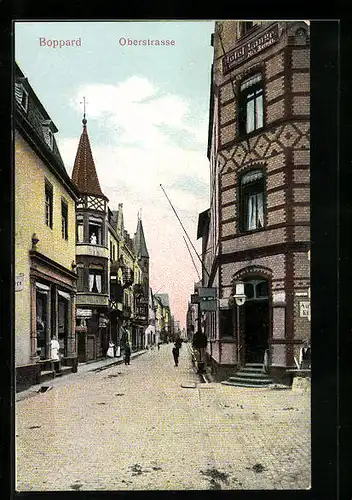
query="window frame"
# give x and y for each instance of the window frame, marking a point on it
(93, 271)
(49, 191)
(257, 89)
(243, 195)
(64, 217)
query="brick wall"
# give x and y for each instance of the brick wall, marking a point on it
(255, 240)
(300, 58)
(300, 82)
(274, 66)
(275, 111)
(274, 88)
(301, 105)
(301, 195)
(276, 216)
(274, 262)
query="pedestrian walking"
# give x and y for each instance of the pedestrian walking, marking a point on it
(176, 353)
(158, 346)
(178, 342)
(127, 353)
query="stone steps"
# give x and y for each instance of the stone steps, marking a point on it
(250, 375)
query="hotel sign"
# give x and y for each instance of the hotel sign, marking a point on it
(251, 48)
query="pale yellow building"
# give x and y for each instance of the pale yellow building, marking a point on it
(45, 278)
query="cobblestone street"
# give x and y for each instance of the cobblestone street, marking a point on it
(135, 428)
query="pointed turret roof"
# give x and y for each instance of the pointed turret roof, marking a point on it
(84, 173)
(139, 241)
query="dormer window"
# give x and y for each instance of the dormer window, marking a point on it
(48, 133)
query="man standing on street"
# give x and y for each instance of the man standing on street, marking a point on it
(199, 343)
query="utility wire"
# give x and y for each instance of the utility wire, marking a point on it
(189, 239)
(192, 257)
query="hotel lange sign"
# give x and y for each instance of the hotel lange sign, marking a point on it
(251, 48)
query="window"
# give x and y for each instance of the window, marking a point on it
(64, 220)
(95, 231)
(245, 26)
(111, 253)
(226, 323)
(251, 105)
(48, 204)
(95, 280)
(79, 230)
(256, 289)
(63, 320)
(252, 201)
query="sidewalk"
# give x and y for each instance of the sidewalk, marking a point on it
(90, 366)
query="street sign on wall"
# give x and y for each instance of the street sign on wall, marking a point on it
(207, 299)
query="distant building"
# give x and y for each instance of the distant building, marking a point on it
(163, 316)
(45, 278)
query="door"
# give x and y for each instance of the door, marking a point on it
(63, 324)
(256, 327)
(42, 326)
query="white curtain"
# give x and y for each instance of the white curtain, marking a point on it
(80, 233)
(250, 115)
(259, 111)
(251, 221)
(260, 209)
(98, 282)
(91, 281)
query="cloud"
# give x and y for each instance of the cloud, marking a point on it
(144, 130)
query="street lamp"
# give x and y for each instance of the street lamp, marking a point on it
(240, 298)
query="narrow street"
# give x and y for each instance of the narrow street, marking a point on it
(136, 428)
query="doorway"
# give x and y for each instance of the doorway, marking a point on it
(256, 320)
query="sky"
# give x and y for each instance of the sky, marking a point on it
(147, 119)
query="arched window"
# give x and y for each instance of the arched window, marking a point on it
(252, 200)
(251, 116)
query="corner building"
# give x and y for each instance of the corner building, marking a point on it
(259, 227)
(92, 255)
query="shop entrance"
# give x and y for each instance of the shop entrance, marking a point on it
(256, 320)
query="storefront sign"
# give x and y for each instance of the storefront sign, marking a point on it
(19, 282)
(304, 309)
(84, 313)
(251, 48)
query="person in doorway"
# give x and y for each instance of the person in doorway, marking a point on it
(55, 346)
(127, 353)
(176, 353)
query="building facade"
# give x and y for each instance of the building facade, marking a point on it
(92, 254)
(258, 229)
(45, 196)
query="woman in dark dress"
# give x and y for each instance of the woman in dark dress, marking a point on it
(127, 353)
(176, 353)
